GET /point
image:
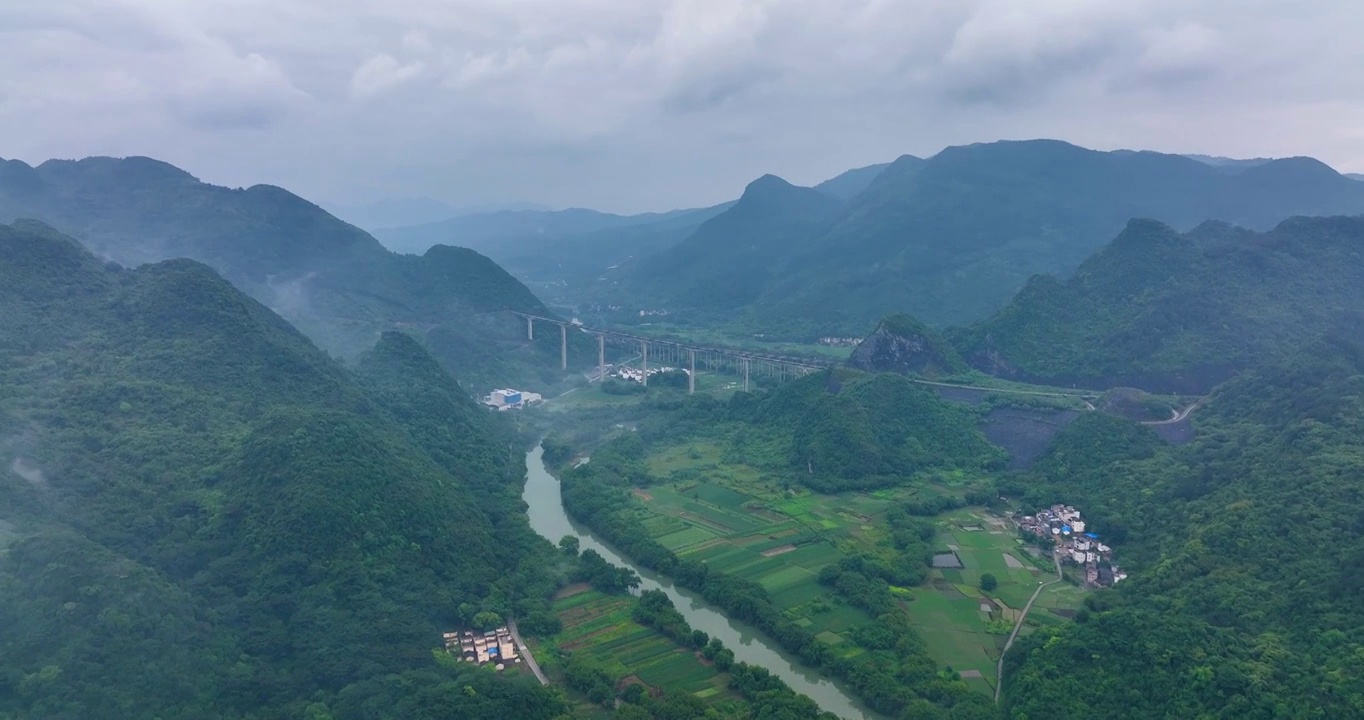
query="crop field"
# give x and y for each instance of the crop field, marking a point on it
(737, 520)
(600, 626)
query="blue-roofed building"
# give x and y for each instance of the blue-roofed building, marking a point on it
(1092, 536)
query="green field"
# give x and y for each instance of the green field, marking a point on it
(600, 626)
(739, 520)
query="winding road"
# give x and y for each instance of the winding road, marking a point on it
(1176, 416)
(999, 669)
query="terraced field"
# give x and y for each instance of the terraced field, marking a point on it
(740, 521)
(600, 626)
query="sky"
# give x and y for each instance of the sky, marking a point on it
(636, 105)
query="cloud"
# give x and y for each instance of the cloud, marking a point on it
(381, 72)
(631, 105)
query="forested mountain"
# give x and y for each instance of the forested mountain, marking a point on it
(728, 260)
(203, 515)
(844, 429)
(901, 344)
(847, 185)
(1245, 547)
(1177, 312)
(950, 239)
(330, 279)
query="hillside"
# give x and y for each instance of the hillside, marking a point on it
(725, 263)
(1173, 312)
(205, 516)
(901, 344)
(1235, 604)
(950, 239)
(849, 184)
(332, 280)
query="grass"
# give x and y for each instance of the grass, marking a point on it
(728, 515)
(600, 626)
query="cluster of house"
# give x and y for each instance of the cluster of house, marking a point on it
(840, 341)
(1066, 528)
(633, 374)
(494, 647)
(509, 399)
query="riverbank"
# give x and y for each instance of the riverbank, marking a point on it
(548, 518)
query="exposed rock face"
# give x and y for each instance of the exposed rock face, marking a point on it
(901, 344)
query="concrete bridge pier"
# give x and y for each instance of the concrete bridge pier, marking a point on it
(601, 357)
(745, 374)
(563, 347)
(530, 328)
(691, 372)
(644, 360)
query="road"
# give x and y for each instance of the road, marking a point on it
(1176, 416)
(522, 648)
(999, 669)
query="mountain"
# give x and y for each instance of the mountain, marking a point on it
(1173, 312)
(1235, 605)
(901, 344)
(950, 239)
(332, 280)
(727, 261)
(203, 515)
(393, 212)
(1233, 164)
(1355, 176)
(564, 253)
(847, 185)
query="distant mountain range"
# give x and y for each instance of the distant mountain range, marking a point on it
(402, 212)
(951, 238)
(330, 279)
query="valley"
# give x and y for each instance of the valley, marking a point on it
(830, 514)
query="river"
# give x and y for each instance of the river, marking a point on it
(547, 517)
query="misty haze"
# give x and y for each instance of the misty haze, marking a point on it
(749, 360)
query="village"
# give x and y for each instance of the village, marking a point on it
(1065, 527)
(494, 647)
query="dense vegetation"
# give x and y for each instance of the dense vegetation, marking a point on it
(203, 515)
(1171, 312)
(331, 280)
(1247, 547)
(895, 673)
(901, 344)
(950, 239)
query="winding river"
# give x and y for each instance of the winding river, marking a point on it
(547, 517)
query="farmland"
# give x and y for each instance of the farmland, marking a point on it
(600, 626)
(740, 520)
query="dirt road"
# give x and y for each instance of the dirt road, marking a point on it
(525, 652)
(999, 669)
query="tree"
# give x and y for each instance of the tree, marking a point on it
(988, 582)
(569, 545)
(487, 620)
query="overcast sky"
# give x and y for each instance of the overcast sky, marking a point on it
(631, 105)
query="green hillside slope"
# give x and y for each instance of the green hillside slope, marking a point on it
(332, 280)
(950, 239)
(1177, 312)
(202, 515)
(1245, 548)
